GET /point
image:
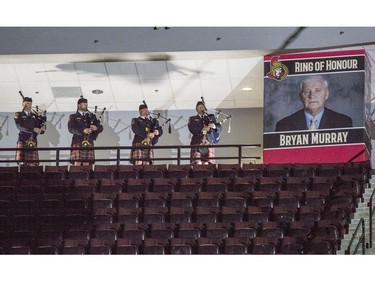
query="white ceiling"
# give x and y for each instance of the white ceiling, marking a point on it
(174, 84)
(166, 76)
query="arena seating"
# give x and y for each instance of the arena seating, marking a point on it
(179, 209)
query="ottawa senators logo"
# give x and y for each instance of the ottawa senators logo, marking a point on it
(278, 70)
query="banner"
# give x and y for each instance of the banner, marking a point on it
(315, 103)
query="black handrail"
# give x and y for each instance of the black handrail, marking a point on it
(371, 213)
(118, 149)
(362, 239)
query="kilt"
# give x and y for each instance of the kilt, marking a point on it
(27, 154)
(142, 156)
(84, 155)
(196, 155)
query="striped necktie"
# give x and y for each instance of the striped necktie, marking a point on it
(313, 124)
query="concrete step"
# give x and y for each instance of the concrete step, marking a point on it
(361, 214)
(355, 221)
(362, 211)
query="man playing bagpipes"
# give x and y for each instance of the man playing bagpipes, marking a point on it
(147, 132)
(85, 127)
(205, 130)
(30, 124)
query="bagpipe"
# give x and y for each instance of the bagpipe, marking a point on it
(155, 125)
(90, 119)
(41, 117)
(213, 135)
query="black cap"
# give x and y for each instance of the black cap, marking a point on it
(200, 103)
(142, 106)
(27, 99)
(81, 100)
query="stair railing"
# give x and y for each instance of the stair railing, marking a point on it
(371, 213)
(361, 240)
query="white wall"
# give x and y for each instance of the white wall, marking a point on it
(246, 128)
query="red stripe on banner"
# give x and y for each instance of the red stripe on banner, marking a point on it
(315, 55)
(326, 154)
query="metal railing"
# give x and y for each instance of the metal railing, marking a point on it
(361, 240)
(371, 213)
(119, 149)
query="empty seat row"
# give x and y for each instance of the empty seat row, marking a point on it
(139, 200)
(187, 170)
(188, 239)
(63, 219)
(195, 185)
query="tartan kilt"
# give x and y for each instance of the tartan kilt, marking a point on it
(77, 155)
(27, 155)
(147, 154)
(197, 155)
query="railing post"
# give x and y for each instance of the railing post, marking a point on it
(57, 157)
(363, 238)
(239, 154)
(370, 218)
(118, 157)
(178, 155)
(370, 225)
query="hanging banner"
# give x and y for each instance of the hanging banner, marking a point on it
(315, 108)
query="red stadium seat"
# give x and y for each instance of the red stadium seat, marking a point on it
(80, 172)
(181, 246)
(104, 171)
(154, 171)
(229, 170)
(128, 171)
(179, 171)
(164, 185)
(56, 172)
(236, 246)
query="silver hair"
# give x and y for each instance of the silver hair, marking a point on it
(311, 79)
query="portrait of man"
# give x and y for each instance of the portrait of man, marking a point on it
(313, 94)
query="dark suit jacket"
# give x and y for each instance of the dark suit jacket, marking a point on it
(26, 125)
(330, 119)
(141, 127)
(196, 125)
(77, 123)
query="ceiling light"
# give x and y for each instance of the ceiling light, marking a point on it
(246, 89)
(97, 92)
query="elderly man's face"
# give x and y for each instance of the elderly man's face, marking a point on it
(314, 96)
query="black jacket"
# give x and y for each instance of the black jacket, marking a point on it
(196, 124)
(330, 119)
(26, 124)
(77, 123)
(141, 127)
